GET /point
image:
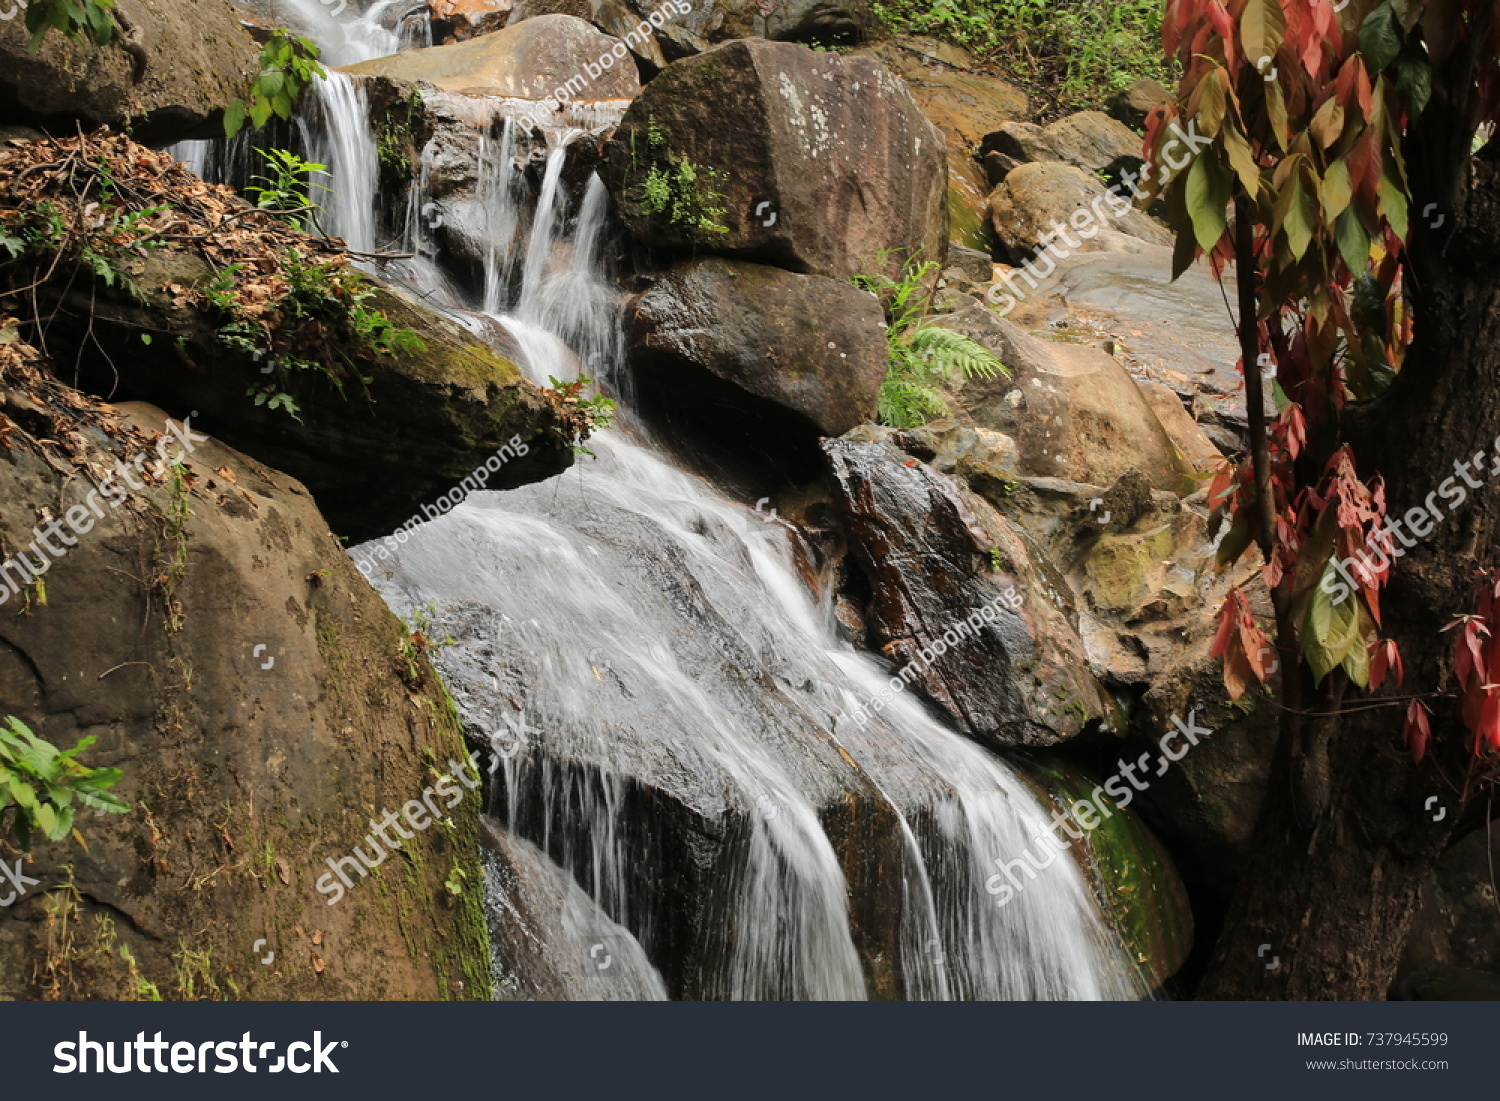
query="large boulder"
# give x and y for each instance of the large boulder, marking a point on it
(1089, 140)
(261, 702)
(1033, 199)
(932, 558)
(1072, 410)
(680, 28)
(168, 73)
(964, 105)
(769, 151)
(373, 434)
(805, 342)
(537, 59)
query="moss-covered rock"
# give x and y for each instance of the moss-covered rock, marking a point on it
(264, 706)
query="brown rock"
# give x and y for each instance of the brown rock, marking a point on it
(531, 60)
(808, 343)
(170, 79)
(814, 162)
(1072, 410)
(1133, 104)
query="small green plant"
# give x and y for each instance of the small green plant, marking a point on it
(679, 190)
(288, 66)
(321, 310)
(457, 877)
(922, 356)
(286, 189)
(39, 784)
(579, 417)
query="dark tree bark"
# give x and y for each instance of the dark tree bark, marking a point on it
(1345, 837)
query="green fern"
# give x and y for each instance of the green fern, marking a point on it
(922, 356)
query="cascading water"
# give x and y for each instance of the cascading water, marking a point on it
(678, 696)
(336, 131)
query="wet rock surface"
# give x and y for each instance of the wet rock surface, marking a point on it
(813, 345)
(530, 60)
(926, 562)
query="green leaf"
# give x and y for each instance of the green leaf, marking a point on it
(1353, 241)
(271, 81)
(1298, 223)
(1380, 37)
(1414, 82)
(1392, 201)
(1207, 196)
(1336, 191)
(1331, 630)
(1262, 28)
(234, 117)
(260, 112)
(1241, 159)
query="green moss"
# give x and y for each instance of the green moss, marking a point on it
(1133, 880)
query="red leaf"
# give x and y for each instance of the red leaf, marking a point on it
(1418, 732)
(1385, 656)
(1489, 721)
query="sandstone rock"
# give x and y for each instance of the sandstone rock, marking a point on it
(534, 59)
(810, 344)
(1189, 439)
(964, 105)
(1133, 104)
(1093, 141)
(971, 266)
(687, 29)
(460, 20)
(1072, 410)
(813, 162)
(190, 60)
(219, 643)
(1030, 199)
(1089, 140)
(614, 17)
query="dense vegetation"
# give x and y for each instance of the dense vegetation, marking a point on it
(1074, 54)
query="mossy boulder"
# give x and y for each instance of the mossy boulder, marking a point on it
(170, 70)
(263, 705)
(1133, 875)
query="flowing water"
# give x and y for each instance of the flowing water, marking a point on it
(665, 694)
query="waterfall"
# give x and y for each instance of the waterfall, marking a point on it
(675, 695)
(336, 132)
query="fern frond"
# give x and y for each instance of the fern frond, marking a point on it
(907, 403)
(953, 355)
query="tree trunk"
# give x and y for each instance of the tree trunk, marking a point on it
(1346, 837)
